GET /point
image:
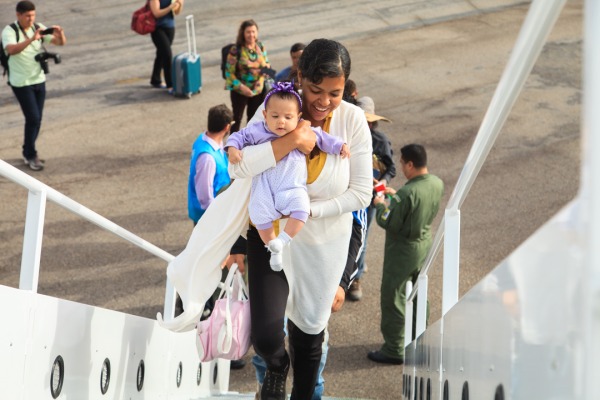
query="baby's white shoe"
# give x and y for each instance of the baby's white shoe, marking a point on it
(275, 246)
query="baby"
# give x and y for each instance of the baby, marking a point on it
(281, 190)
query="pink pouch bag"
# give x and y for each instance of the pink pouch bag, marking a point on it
(226, 332)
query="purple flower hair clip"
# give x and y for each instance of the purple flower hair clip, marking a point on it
(283, 87)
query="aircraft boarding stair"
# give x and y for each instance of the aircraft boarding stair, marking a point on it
(529, 330)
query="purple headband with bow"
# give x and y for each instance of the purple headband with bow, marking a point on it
(283, 87)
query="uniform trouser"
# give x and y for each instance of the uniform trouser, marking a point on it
(393, 310)
(239, 102)
(268, 298)
(163, 39)
(31, 99)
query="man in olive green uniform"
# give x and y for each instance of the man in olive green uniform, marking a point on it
(407, 223)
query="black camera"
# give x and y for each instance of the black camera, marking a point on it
(42, 58)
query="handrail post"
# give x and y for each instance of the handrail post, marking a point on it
(32, 240)
(408, 316)
(451, 259)
(422, 305)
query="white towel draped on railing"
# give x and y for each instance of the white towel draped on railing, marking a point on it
(196, 272)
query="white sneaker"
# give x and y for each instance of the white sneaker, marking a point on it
(275, 246)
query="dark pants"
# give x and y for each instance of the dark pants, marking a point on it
(163, 39)
(371, 212)
(31, 98)
(269, 292)
(238, 103)
(356, 242)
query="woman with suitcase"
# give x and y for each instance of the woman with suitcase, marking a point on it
(164, 11)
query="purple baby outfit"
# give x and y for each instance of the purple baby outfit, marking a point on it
(280, 190)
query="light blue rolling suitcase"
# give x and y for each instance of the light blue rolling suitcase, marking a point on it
(187, 71)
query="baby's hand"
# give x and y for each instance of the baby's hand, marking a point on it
(235, 155)
(345, 152)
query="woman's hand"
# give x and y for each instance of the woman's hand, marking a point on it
(236, 259)
(176, 7)
(161, 12)
(338, 301)
(304, 137)
(246, 91)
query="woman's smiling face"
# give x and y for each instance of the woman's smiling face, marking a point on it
(250, 35)
(321, 99)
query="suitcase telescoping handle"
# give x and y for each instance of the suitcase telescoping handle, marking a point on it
(191, 34)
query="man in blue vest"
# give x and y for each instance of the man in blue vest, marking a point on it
(208, 166)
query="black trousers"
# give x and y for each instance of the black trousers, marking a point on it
(163, 39)
(238, 103)
(31, 99)
(356, 242)
(268, 298)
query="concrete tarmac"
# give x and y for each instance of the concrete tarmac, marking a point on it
(121, 148)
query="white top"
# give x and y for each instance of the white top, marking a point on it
(24, 69)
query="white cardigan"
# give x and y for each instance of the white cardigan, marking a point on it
(317, 256)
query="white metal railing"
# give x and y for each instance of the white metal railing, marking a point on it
(39, 194)
(540, 20)
(590, 188)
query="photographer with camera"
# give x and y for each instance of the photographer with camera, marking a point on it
(23, 42)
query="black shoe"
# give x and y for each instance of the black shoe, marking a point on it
(237, 364)
(379, 357)
(273, 387)
(354, 291)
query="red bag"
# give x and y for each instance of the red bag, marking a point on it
(143, 21)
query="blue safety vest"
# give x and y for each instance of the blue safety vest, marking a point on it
(195, 211)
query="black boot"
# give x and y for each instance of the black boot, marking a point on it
(273, 387)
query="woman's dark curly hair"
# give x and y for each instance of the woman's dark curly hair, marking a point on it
(324, 58)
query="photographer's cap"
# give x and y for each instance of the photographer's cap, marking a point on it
(368, 106)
